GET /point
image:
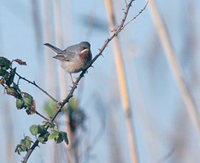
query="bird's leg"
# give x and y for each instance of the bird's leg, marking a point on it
(74, 84)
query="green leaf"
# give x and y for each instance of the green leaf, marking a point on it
(41, 129)
(19, 103)
(4, 62)
(22, 142)
(27, 143)
(10, 79)
(34, 130)
(46, 136)
(59, 139)
(45, 123)
(64, 135)
(11, 91)
(41, 139)
(53, 134)
(30, 111)
(50, 108)
(2, 72)
(28, 99)
(23, 145)
(50, 125)
(6, 76)
(28, 138)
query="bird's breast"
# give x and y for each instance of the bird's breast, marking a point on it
(72, 66)
(78, 63)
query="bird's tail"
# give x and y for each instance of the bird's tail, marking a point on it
(55, 49)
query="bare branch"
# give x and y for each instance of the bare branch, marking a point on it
(33, 83)
(47, 119)
(61, 104)
(136, 15)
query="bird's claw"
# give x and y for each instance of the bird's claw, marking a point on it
(74, 84)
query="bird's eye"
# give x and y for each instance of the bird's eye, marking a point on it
(83, 48)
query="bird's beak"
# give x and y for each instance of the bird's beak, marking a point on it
(84, 51)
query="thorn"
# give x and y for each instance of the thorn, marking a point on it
(59, 103)
(99, 50)
(74, 85)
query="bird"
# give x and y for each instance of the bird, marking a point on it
(74, 58)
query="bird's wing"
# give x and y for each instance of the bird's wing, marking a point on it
(68, 54)
(71, 50)
(64, 57)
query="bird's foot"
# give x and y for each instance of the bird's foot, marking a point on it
(74, 84)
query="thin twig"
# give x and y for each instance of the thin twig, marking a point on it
(36, 112)
(30, 151)
(136, 15)
(122, 85)
(33, 83)
(61, 104)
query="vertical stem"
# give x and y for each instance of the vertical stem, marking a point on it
(170, 55)
(49, 75)
(122, 83)
(62, 80)
(49, 65)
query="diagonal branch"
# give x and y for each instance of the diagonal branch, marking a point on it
(33, 83)
(136, 15)
(42, 116)
(66, 100)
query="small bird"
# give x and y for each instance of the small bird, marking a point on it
(73, 59)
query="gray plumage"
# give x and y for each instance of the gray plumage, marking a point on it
(75, 58)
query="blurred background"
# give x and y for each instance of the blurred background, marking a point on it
(163, 131)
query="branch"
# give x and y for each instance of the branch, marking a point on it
(136, 15)
(30, 151)
(61, 104)
(36, 112)
(33, 83)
